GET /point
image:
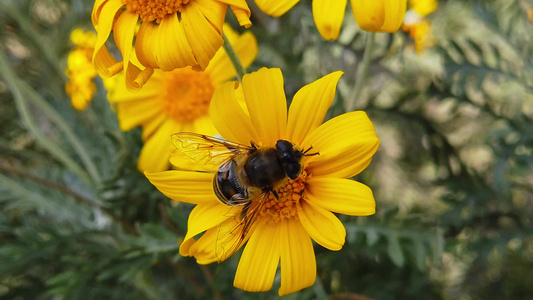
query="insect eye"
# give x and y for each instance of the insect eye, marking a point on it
(297, 155)
(286, 157)
(293, 170)
(283, 146)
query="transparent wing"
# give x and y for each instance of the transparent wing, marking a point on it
(207, 149)
(234, 232)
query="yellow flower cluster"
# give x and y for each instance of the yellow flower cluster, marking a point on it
(177, 100)
(80, 70)
(173, 81)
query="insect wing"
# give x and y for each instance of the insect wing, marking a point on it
(235, 231)
(207, 149)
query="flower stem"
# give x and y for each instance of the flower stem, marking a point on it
(362, 71)
(235, 61)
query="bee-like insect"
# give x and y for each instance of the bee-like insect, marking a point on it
(246, 175)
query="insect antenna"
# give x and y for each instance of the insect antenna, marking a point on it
(310, 154)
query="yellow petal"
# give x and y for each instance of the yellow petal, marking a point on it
(104, 63)
(298, 264)
(341, 195)
(346, 145)
(202, 125)
(381, 15)
(120, 93)
(172, 48)
(182, 162)
(204, 216)
(328, 15)
(230, 235)
(213, 11)
(179, 160)
(97, 9)
(246, 48)
(240, 10)
(134, 113)
(259, 260)
(423, 7)
(228, 117)
(310, 105)
(245, 45)
(155, 153)
(323, 226)
(394, 14)
(204, 37)
(144, 44)
(103, 17)
(184, 186)
(124, 31)
(150, 126)
(276, 8)
(369, 15)
(185, 247)
(217, 243)
(267, 104)
(136, 78)
(203, 250)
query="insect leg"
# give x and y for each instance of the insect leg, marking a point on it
(245, 209)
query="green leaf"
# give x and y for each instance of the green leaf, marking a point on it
(395, 250)
(474, 46)
(420, 254)
(372, 237)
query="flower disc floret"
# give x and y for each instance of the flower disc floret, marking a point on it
(150, 10)
(289, 193)
(187, 94)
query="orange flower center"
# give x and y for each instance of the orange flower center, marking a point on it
(150, 10)
(186, 94)
(289, 193)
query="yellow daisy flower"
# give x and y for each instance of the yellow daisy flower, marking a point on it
(80, 70)
(421, 33)
(371, 15)
(171, 35)
(282, 233)
(417, 25)
(176, 101)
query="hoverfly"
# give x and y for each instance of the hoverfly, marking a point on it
(246, 175)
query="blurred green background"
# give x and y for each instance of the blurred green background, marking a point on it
(453, 178)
